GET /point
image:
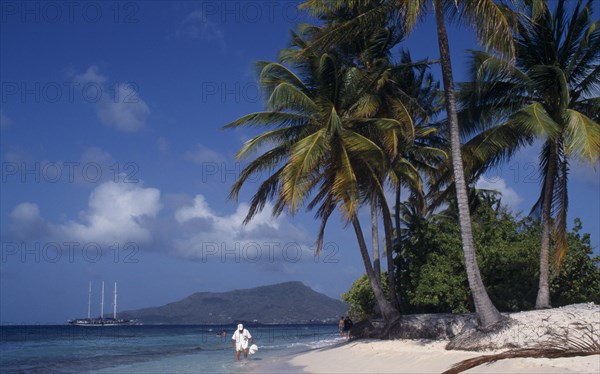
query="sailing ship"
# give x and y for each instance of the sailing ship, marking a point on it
(101, 321)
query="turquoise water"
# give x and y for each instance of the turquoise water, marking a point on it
(150, 349)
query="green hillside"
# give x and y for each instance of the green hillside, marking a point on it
(290, 302)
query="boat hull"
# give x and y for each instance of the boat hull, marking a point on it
(104, 322)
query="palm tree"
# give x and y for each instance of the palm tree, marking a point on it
(406, 92)
(391, 90)
(549, 92)
(369, 58)
(402, 91)
(318, 147)
(422, 156)
(414, 160)
(493, 25)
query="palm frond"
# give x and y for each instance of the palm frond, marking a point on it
(268, 119)
(536, 120)
(288, 97)
(274, 137)
(582, 136)
(305, 156)
(271, 74)
(340, 32)
(344, 187)
(493, 23)
(268, 161)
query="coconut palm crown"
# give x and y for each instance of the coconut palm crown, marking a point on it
(549, 92)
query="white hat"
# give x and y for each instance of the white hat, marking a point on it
(240, 327)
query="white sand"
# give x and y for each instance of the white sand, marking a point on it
(408, 356)
(533, 327)
(427, 356)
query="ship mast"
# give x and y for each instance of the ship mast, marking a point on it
(115, 303)
(90, 301)
(102, 303)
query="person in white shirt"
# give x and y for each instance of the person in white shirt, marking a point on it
(239, 340)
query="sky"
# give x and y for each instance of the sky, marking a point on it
(115, 166)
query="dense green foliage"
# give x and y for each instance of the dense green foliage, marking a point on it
(431, 272)
(361, 299)
(579, 277)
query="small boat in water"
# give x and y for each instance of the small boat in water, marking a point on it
(101, 321)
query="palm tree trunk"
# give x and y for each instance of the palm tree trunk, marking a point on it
(543, 297)
(389, 313)
(388, 229)
(487, 313)
(561, 245)
(397, 220)
(375, 240)
(398, 243)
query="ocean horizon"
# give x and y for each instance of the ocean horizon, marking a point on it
(151, 348)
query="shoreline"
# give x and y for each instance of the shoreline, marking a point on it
(282, 364)
(572, 327)
(414, 356)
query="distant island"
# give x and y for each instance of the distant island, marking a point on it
(289, 302)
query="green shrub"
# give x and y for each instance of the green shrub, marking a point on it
(362, 299)
(579, 278)
(432, 279)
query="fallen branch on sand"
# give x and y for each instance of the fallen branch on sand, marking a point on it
(561, 346)
(530, 329)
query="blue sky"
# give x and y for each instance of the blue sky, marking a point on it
(115, 166)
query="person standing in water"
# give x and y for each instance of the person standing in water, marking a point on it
(347, 326)
(341, 326)
(239, 340)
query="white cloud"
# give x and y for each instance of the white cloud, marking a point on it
(232, 223)
(510, 197)
(115, 213)
(91, 75)
(25, 212)
(207, 231)
(27, 222)
(127, 113)
(197, 26)
(200, 209)
(202, 154)
(97, 155)
(120, 106)
(119, 212)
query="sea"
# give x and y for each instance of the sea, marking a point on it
(152, 348)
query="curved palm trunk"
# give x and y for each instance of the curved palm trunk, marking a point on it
(388, 229)
(389, 313)
(375, 240)
(543, 297)
(487, 313)
(398, 248)
(561, 245)
(388, 234)
(397, 221)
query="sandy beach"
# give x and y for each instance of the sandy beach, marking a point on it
(412, 356)
(528, 330)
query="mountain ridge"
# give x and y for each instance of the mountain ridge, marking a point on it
(288, 302)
